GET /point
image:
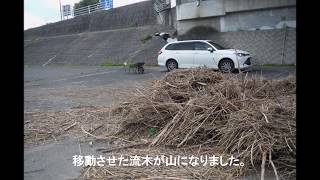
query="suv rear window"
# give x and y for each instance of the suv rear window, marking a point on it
(180, 46)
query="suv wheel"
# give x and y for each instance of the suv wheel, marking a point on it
(226, 66)
(171, 65)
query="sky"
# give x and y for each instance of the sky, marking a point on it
(41, 12)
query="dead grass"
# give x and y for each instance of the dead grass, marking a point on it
(43, 127)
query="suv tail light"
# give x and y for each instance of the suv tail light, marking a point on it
(159, 52)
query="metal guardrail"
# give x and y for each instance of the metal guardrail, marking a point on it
(93, 8)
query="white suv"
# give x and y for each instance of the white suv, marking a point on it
(196, 53)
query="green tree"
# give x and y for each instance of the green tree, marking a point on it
(83, 3)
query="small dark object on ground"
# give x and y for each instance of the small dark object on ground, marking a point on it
(137, 67)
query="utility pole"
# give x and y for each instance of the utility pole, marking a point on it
(60, 9)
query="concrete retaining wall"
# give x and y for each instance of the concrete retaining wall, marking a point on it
(95, 48)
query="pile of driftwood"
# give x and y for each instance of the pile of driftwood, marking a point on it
(251, 118)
